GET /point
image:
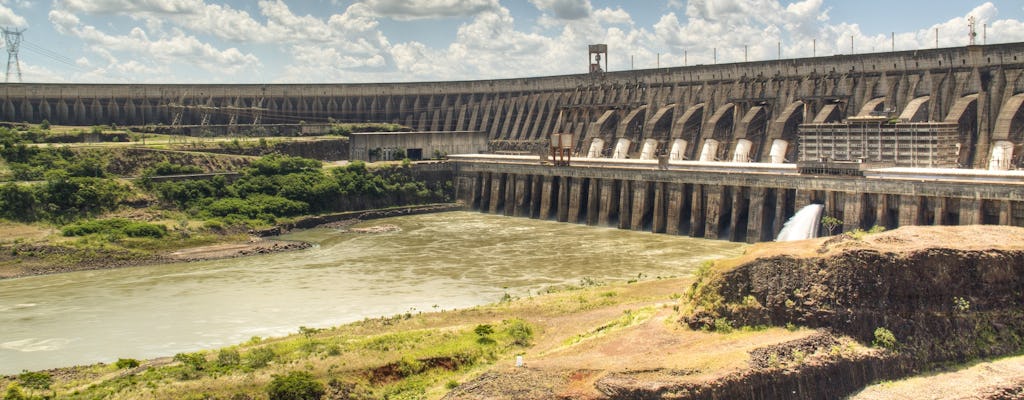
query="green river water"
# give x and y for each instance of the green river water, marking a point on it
(436, 261)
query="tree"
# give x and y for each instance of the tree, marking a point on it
(831, 223)
(297, 385)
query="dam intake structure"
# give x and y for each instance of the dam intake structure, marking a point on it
(930, 136)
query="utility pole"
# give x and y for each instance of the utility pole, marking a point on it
(12, 38)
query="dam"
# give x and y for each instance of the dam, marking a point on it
(726, 151)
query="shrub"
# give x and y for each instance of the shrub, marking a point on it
(144, 230)
(520, 331)
(228, 358)
(196, 361)
(35, 380)
(297, 385)
(123, 363)
(884, 338)
(259, 357)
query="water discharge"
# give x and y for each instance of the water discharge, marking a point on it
(436, 261)
(803, 225)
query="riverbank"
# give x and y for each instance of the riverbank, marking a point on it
(43, 256)
(770, 326)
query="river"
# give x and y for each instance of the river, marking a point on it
(436, 261)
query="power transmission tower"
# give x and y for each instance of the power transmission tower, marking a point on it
(12, 38)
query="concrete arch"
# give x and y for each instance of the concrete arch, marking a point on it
(631, 126)
(603, 128)
(688, 129)
(753, 128)
(964, 112)
(916, 110)
(873, 105)
(784, 127)
(722, 123)
(1009, 123)
(660, 125)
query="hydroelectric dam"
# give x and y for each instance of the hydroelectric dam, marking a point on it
(726, 151)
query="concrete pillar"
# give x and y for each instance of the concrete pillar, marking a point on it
(780, 213)
(522, 201)
(1004, 212)
(853, 211)
(739, 207)
(755, 215)
(575, 199)
(697, 212)
(510, 194)
(536, 188)
(940, 210)
(910, 208)
(625, 204)
(641, 204)
(970, 212)
(802, 199)
(609, 202)
(882, 210)
(485, 192)
(593, 201)
(658, 217)
(546, 195)
(674, 205)
(716, 194)
(563, 199)
(497, 192)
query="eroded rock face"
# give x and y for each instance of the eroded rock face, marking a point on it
(941, 304)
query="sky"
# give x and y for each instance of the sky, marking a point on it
(349, 41)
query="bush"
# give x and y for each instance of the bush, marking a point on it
(884, 338)
(297, 385)
(144, 230)
(196, 361)
(520, 331)
(259, 357)
(35, 380)
(228, 358)
(123, 363)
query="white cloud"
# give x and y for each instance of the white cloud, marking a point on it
(565, 9)
(422, 9)
(177, 47)
(10, 19)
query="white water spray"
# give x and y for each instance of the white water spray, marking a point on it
(803, 225)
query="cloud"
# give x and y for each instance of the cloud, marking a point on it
(423, 9)
(565, 9)
(132, 6)
(8, 18)
(174, 48)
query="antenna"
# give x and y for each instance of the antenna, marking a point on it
(12, 38)
(972, 24)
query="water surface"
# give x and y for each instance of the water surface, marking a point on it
(437, 261)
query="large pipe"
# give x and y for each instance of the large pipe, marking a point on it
(650, 147)
(742, 153)
(710, 149)
(678, 150)
(622, 148)
(596, 148)
(778, 151)
(1002, 153)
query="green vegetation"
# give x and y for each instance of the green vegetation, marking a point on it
(884, 338)
(116, 228)
(859, 234)
(296, 385)
(831, 223)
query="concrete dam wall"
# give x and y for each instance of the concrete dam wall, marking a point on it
(739, 111)
(731, 134)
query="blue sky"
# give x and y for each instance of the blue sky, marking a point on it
(297, 41)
